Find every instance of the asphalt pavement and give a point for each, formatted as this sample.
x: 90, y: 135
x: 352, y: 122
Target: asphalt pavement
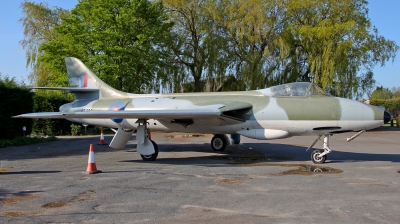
x: 253, y: 182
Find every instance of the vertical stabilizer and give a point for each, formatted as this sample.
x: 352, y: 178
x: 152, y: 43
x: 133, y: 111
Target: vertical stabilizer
x: 81, y: 77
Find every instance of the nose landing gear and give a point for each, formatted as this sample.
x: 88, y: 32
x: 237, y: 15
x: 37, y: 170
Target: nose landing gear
x: 318, y: 156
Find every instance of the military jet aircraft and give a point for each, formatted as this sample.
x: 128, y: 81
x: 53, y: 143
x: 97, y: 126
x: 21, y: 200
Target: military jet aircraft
x: 294, y: 109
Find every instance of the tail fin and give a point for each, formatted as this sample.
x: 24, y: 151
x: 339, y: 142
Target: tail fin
x: 87, y: 85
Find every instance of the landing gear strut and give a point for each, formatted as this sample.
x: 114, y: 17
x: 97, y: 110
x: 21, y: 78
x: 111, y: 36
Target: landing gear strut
x: 318, y: 156
x: 147, y: 148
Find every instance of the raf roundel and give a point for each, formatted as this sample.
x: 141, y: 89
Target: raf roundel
x: 116, y: 107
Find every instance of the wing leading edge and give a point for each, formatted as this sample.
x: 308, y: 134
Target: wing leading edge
x: 217, y: 114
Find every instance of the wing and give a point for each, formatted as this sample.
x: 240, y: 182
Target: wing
x: 225, y: 113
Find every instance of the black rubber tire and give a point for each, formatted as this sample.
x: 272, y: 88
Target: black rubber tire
x: 153, y: 156
x: 219, y: 142
x: 314, y: 156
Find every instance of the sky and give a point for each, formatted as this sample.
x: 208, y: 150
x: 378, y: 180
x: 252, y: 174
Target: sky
x: 383, y: 14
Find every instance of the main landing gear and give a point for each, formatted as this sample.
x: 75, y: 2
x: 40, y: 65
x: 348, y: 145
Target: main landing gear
x: 153, y: 156
x: 219, y: 142
x: 147, y: 148
x: 318, y: 156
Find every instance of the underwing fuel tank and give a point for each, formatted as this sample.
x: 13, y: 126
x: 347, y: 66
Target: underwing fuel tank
x: 264, y: 134
x: 121, y: 138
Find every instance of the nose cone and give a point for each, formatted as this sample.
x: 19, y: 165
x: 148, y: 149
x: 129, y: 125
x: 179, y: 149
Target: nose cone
x: 387, y: 117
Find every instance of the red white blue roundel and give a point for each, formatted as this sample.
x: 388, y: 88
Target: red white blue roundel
x: 116, y: 107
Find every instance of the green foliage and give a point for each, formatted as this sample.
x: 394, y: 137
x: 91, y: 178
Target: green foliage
x: 391, y: 105
x: 335, y: 41
x: 387, y: 98
x: 75, y: 129
x: 15, y: 99
x: 253, y: 31
x: 396, y: 92
x: 92, y: 131
x: 382, y: 93
x: 195, y: 43
x: 140, y: 46
x: 122, y: 41
x: 19, y: 141
x: 18, y: 99
x: 327, y: 42
x: 50, y: 101
x: 38, y: 22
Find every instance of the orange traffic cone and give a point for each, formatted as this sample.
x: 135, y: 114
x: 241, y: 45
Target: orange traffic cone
x: 91, y: 167
x: 102, y: 138
x: 148, y: 134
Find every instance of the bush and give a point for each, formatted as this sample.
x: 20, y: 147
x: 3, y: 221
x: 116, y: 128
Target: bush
x: 15, y: 99
x: 50, y: 101
x: 75, y: 129
x: 391, y: 105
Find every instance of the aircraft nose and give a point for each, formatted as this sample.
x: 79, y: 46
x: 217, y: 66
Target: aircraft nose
x: 387, y: 117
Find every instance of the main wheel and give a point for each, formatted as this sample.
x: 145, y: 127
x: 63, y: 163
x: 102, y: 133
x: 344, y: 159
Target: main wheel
x: 315, y: 156
x: 219, y: 142
x: 153, y: 156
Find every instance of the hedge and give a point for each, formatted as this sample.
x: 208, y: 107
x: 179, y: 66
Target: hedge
x: 14, y: 100
x: 18, y: 99
x: 50, y: 102
x: 391, y: 105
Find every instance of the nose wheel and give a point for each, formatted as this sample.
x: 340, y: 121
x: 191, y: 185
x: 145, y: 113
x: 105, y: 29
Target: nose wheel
x: 318, y: 156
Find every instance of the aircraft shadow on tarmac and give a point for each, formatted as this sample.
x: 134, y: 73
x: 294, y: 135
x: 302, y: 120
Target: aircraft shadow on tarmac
x: 4, y: 192
x: 31, y: 172
x: 167, y: 152
x: 63, y: 147
x: 273, y: 153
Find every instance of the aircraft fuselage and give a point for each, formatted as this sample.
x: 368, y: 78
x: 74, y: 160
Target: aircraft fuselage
x: 295, y: 115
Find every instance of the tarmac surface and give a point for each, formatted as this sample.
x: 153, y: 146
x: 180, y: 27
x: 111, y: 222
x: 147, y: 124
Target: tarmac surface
x: 253, y: 182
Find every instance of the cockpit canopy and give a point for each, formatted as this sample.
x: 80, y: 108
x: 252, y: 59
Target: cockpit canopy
x: 299, y: 89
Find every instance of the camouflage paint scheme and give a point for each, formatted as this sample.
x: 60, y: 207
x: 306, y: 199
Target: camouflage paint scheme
x: 276, y: 112
x: 298, y: 115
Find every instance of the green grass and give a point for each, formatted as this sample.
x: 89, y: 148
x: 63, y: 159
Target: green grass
x: 389, y: 124
x: 19, y: 141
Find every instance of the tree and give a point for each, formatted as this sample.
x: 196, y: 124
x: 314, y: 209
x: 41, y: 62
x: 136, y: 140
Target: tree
x: 195, y: 41
x: 382, y: 93
x: 122, y: 41
x: 38, y: 22
x: 396, y: 92
x: 328, y: 42
x: 253, y: 29
x: 335, y: 41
